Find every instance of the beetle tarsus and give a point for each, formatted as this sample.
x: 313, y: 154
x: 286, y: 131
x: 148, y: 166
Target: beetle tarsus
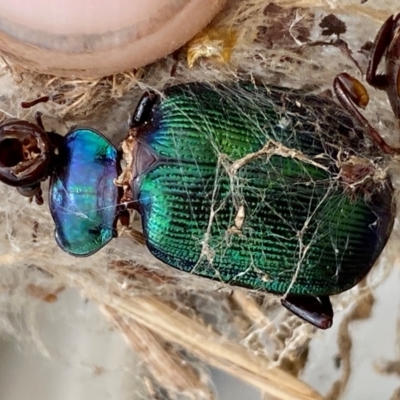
x: 387, y: 45
x: 315, y: 310
x: 384, y: 38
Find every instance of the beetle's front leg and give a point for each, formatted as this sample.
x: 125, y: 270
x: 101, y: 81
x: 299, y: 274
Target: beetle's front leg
x: 352, y: 95
x: 387, y: 42
x: 315, y: 310
x: 141, y: 115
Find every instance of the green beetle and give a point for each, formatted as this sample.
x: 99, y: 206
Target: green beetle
x: 257, y: 187
x: 262, y: 187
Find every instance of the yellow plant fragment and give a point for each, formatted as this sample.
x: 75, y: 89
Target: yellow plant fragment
x: 211, y: 43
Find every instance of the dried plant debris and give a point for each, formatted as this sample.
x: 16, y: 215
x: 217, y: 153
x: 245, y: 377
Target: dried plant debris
x: 284, y: 27
x: 390, y: 367
x: 211, y: 43
x: 43, y: 292
x: 332, y: 25
x: 395, y: 395
x: 360, y: 310
x: 167, y: 366
x: 80, y: 97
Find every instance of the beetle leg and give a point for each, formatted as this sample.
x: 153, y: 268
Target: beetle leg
x: 143, y: 109
x: 315, y: 310
x: 387, y: 43
x: 384, y: 39
x: 351, y: 94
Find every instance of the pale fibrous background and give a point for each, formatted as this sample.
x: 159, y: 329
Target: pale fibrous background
x: 176, y: 326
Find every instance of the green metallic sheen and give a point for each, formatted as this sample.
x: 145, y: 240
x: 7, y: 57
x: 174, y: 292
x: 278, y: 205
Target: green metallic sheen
x: 304, y: 230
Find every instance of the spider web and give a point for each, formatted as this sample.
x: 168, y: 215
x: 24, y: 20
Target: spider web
x: 248, y: 189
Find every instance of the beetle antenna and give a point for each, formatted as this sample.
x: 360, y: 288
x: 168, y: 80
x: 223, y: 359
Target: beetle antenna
x: 43, y: 99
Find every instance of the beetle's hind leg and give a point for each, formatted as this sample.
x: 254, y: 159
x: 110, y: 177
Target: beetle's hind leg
x: 387, y: 46
x: 386, y: 43
x: 315, y: 310
x: 352, y: 95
